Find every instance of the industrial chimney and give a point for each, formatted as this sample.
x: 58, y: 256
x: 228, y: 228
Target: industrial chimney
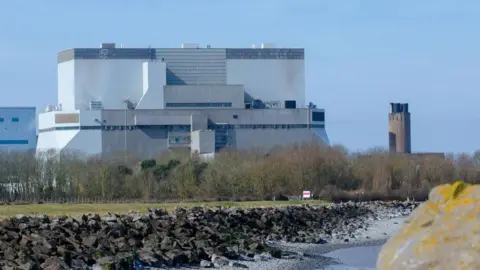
x: 399, y: 128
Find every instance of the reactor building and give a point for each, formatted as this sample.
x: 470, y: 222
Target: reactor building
x: 399, y: 128
x: 148, y: 100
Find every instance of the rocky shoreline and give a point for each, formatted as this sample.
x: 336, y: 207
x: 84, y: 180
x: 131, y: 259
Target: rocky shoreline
x: 206, y: 237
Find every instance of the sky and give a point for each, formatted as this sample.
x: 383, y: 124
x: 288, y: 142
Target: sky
x: 360, y: 55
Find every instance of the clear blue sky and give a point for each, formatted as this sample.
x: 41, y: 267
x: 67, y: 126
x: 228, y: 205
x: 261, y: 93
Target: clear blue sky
x: 360, y: 55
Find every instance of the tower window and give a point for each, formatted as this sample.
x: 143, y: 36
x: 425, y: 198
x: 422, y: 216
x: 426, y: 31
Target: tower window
x: 15, y: 120
x: 235, y: 116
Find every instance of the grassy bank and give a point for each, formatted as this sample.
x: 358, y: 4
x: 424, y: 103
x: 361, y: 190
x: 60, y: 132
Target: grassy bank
x: 331, y: 174
x: 79, y: 209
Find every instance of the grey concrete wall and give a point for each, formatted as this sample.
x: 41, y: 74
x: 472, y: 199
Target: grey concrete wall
x: 161, y: 119
x: 269, y: 138
x: 141, y: 142
x: 198, y: 122
x: 260, y: 116
x: 146, y: 143
x: 150, y: 132
x: 230, y: 116
x: 204, y: 94
x: 117, y: 117
x: 203, y: 141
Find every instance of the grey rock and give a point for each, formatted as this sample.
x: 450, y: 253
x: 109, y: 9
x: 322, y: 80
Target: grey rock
x: 182, y: 236
x: 105, y: 261
x: 219, y: 261
x: 166, y: 243
x: 237, y: 265
x: 90, y: 240
x: 206, y: 264
x: 109, y: 218
x: 148, y: 257
x: 176, y: 257
x: 54, y: 263
x: 262, y: 257
x: 245, y: 258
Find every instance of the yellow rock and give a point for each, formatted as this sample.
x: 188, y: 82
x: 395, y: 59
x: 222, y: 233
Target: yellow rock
x: 442, y: 234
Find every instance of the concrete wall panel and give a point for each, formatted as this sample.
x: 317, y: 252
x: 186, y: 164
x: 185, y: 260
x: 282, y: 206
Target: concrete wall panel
x: 88, y: 142
x: 66, y: 84
x: 269, y: 80
x: 268, y: 138
x: 143, y: 143
x: 154, y: 79
x: 109, y: 81
x: 204, y: 94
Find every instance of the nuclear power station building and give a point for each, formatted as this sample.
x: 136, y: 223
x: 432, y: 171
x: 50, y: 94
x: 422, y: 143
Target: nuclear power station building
x: 145, y: 100
x: 399, y: 128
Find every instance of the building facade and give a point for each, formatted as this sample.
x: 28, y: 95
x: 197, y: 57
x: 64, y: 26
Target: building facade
x: 18, y: 129
x: 399, y: 136
x: 145, y: 101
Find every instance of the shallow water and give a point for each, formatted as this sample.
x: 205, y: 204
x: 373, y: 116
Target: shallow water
x: 355, y: 258
x: 347, y: 267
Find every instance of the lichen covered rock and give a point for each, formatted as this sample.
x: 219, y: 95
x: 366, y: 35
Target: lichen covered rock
x: 442, y: 233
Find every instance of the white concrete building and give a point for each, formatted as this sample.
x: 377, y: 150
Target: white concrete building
x: 145, y: 100
x: 18, y: 129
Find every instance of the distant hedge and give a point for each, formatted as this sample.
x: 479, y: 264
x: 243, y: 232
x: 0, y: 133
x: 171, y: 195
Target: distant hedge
x: 330, y: 173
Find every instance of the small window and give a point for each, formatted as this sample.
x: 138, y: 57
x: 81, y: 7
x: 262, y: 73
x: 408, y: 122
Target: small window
x: 290, y: 104
x: 318, y: 116
x: 1, y: 119
x: 235, y: 116
x: 15, y: 120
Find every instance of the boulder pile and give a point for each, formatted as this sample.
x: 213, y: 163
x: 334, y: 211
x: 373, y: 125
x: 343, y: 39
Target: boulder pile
x: 201, y: 236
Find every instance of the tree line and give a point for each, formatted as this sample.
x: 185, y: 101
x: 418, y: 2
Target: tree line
x: 330, y: 173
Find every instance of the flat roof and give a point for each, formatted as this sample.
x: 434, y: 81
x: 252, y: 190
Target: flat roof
x: 18, y: 108
x: 172, y: 53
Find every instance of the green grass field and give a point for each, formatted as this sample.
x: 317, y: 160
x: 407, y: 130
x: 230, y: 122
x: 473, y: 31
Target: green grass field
x: 79, y: 209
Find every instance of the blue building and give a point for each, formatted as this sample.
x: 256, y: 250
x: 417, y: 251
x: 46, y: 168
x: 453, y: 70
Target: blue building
x: 18, y: 129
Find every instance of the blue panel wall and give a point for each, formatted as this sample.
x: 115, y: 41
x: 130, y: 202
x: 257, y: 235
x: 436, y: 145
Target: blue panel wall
x: 17, y: 128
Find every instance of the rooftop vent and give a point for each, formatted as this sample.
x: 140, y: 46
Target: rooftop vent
x: 107, y: 45
x: 190, y: 45
x: 95, y: 105
x: 268, y: 45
